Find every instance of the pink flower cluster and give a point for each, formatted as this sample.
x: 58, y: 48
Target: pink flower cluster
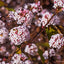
x: 45, y: 18
x: 2, y: 24
x: 49, y: 53
x: 3, y: 35
x: 36, y: 7
x: 54, y: 21
x: 31, y: 49
x: 19, y: 35
x: 58, y: 3
x: 25, y: 15
x: 21, y: 15
x: 16, y: 59
x: 2, y: 49
x: 56, y: 41
x: 23, y: 57
x: 45, y: 54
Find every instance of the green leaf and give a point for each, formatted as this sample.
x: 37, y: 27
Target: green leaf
x: 50, y: 31
x: 46, y: 44
x: 10, y: 9
x: 40, y: 53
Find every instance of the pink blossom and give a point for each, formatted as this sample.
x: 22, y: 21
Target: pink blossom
x: 19, y: 35
x: 56, y: 41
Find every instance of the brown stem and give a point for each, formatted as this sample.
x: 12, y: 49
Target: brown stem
x: 57, y: 29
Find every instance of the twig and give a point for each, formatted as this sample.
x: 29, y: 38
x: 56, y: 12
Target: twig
x: 57, y: 29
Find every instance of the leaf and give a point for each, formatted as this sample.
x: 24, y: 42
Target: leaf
x: 18, y: 51
x: 50, y: 31
x: 40, y: 53
x: 46, y: 44
x: 10, y: 9
x: 2, y: 3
